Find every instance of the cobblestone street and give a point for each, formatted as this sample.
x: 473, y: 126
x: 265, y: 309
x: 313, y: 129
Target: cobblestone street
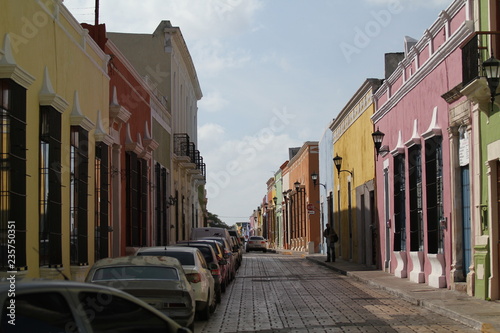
x: 280, y: 293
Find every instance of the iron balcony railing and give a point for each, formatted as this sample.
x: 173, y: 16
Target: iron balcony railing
x: 181, y: 144
x: 475, y: 50
x: 183, y: 147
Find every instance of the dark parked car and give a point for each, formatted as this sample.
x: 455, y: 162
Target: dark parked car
x: 68, y: 306
x: 228, y: 250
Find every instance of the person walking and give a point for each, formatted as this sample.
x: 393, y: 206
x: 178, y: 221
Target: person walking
x: 331, y: 238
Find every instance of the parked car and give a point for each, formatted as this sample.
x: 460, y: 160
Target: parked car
x: 44, y: 306
x: 229, y: 254
x: 159, y: 281
x: 197, y: 272
x: 237, y: 250
x: 221, y: 256
x: 256, y: 243
x: 213, y: 263
x: 197, y: 233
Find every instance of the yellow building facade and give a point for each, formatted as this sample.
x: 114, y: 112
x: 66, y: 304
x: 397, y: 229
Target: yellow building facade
x: 52, y: 72
x: 353, y: 179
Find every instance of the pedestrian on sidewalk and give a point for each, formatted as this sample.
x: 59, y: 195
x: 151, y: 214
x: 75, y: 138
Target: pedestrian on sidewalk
x: 331, y: 238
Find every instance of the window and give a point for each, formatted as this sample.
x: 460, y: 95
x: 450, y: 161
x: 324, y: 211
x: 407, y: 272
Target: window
x: 40, y: 312
x: 137, y: 200
x: 50, y: 187
x: 434, y: 186
x: 78, y: 195
x: 101, y: 201
x: 185, y: 258
x: 399, y: 203
x: 12, y: 170
x: 161, y: 205
x: 135, y: 273
x: 415, y: 189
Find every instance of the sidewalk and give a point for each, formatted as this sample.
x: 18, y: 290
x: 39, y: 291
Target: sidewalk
x: 479, y: 314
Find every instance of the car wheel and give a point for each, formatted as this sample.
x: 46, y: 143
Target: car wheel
x: 265, y: 250
x: 213, y: 306
x: 191, y: 327
x: 218, y: 296
x: 204, y: 314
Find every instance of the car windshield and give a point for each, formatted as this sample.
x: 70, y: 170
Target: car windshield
x: 186, y: 258
x: 135, y: 273
x: 207, y: 253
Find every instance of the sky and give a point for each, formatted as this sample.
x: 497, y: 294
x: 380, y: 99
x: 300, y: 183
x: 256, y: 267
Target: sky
x: 273, y: 73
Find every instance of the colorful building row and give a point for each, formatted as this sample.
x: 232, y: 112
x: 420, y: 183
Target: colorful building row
x: 409, y: 169
x: 97, y: 149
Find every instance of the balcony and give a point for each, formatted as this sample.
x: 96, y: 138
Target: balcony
x: 188, y: 156
x: 475, y: 50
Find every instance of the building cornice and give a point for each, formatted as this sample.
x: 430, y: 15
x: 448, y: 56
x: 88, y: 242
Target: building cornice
x: 436, y: 58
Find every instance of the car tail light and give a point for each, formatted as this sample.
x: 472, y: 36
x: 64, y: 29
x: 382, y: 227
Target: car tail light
x: 194, y: 277
x: 215, y: 271
x: 263, y: 242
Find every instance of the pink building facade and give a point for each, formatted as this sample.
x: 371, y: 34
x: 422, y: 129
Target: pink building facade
x: 413, y: 168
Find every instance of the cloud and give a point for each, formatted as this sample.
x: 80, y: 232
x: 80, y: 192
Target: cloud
x: 273, y: 58
x: 212, y: 102
x: 414, y: 4
x: 238, y: 170
x: 212, y: 56
x: 198, y: 19
x: 212, y: 133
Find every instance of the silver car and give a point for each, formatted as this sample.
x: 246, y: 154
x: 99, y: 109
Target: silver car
x: 256, y: 243
x: 159, y: 281
x: 44, y: 306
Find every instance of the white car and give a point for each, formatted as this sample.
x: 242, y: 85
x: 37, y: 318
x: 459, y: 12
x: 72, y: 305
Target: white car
x: 197, y: 272
x: 256, y: 243
x: 67, y: 306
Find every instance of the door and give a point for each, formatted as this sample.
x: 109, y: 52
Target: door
x: 498, y: 212
x: 466, y: 216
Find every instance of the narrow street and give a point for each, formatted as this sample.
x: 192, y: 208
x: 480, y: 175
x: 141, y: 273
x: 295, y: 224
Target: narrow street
x: 283, y: 293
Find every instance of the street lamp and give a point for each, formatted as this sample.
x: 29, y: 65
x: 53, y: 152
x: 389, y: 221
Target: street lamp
x: 378, y: 137
x: 337, y: 160
x: 297, y: 185
x: 314, y: 177
x: 491, y: 68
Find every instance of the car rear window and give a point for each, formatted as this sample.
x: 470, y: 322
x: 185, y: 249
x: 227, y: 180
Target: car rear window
x: 135, y: 273
x: 207, y: 253
x: 185, y: 258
